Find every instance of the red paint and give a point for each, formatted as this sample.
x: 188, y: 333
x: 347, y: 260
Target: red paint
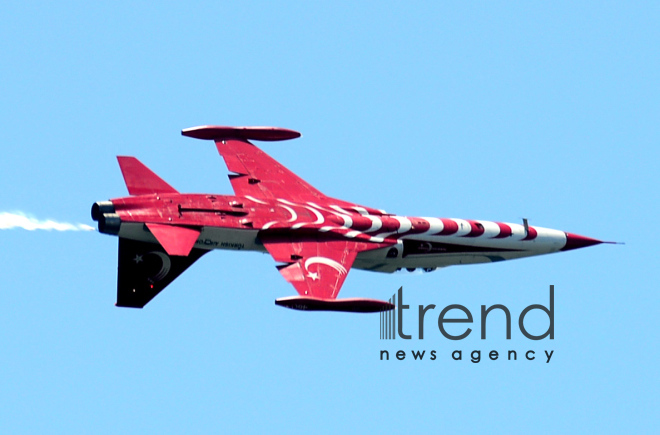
x: 419, y: 226
x: 531, y: 233
x: 449, y: 227
x: 390, y: 225
x: 175, y: 239
x: 476, y: 229
x: 575, y: 241
x: 505, y: 231
x: 140, y: 180
x: 361, y: 223
x: 274, y: 180
x: 314, y: 269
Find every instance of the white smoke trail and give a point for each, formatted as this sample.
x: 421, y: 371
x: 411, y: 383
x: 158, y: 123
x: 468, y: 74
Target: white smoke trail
x: 19, y: 219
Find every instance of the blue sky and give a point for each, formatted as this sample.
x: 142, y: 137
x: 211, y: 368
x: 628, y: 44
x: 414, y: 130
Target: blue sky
x: 492, y: 110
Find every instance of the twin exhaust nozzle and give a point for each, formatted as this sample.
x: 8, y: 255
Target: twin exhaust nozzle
x: 104, y: 213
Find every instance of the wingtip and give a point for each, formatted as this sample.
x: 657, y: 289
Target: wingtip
x: 350, y: 305
x: 217, y: 132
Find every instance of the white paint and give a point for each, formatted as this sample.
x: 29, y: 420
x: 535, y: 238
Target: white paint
x: 517, y: 232
x: 258, y: 201
x: 464, y: 227
x: 339, y: 209
x: 348, y: 221
x: 268, y: 225
x: 435, y: 225
x: 319, y: 216
x: 376, y: 224
x: 491, y: 229
x: 404, y: 224
x: 326, y: 261
x: 294, y: 215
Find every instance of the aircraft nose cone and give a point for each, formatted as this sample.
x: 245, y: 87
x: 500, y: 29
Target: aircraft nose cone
x: 575, y: 241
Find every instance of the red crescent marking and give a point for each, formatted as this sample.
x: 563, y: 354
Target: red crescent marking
x: 476, y: 229
x: 450, y: 227
x: 419, y: 225
x: 505, y: 231
x: 531, y: 234
x: 361, y: 223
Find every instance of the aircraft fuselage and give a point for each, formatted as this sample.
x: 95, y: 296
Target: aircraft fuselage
x: 234, y: 223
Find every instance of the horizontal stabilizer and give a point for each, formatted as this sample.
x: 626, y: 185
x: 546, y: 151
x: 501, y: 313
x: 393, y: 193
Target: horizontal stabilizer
x: 141, y: 180
x: 351, y: 305
x: 174, y: 239
x: 214, y: 132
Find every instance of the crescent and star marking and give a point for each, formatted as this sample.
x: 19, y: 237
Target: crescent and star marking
x: 165, y: 268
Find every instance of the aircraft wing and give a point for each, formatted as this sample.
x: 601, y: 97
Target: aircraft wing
x: 317, y: 269
x: 258, y: 175
x: 255, y: 173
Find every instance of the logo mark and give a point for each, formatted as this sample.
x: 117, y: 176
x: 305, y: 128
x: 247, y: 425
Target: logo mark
x: 388, y: 322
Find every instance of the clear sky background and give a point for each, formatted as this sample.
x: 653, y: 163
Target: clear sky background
x: 492, y: 110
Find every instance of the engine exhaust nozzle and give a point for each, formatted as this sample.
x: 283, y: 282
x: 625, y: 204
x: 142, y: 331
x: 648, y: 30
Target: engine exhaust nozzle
x: 100, y: 208
x: 109, y: 223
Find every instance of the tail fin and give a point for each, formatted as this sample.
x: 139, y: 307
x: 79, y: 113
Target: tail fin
x: 144, y: 269
x: 140, y: 180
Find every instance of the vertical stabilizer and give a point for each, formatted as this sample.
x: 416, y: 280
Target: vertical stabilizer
x: 141, y: 180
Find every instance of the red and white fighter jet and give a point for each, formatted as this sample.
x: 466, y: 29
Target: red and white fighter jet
x: 315, y: 239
